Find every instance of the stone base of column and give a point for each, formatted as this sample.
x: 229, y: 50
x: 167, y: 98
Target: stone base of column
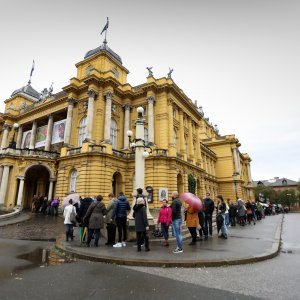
x: 131, y: 233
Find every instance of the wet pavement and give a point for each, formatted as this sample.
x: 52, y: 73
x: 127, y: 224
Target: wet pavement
x: 39, y: 227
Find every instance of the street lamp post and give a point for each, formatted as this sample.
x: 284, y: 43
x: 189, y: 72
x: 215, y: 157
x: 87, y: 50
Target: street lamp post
x: 138, y: 145
x: 234, y: 175
x: 13, y: 144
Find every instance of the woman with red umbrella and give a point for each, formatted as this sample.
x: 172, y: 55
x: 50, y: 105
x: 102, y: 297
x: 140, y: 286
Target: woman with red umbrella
x: 192, y: 222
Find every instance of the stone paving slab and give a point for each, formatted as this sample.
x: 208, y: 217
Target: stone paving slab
x: 244, y: 245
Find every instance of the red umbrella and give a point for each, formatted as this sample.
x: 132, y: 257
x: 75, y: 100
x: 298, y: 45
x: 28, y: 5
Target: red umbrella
x: 192, y: 200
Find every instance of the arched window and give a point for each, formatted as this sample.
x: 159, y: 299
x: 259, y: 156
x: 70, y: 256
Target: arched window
x: 81, y: 131
x: 113, y: 133
x: 146, y: 135
x: 73, y: 179
x: 175, y: 138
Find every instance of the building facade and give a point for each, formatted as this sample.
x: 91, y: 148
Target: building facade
x: 76, y: 140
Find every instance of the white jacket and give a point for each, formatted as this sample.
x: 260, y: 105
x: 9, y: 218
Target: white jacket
x: 67, y: 213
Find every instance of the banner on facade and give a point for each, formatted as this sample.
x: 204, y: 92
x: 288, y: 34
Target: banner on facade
x: 41, y: 135
x: 26, y: 139
x: 58, y: 133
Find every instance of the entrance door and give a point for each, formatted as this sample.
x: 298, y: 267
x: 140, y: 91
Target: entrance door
x: 117, y: 184
x: 36, y: 183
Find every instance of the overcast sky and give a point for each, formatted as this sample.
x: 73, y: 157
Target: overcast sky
x: 239, y: 59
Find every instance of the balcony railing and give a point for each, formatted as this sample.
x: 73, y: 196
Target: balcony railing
x: 160, y: 152
x: 73, y: 151
x: 97, y: 148
x: 29, y: 152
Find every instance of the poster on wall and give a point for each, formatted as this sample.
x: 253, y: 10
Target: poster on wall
x: 41, y: 135
x: 26, y: 139
x: 163, y: 194
x: 58, y: 133
x: 149, y: 190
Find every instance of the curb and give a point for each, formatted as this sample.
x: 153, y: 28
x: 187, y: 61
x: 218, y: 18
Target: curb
x: 176, y: 263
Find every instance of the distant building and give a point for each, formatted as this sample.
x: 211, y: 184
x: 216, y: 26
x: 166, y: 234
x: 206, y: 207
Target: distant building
x: 278, y: 184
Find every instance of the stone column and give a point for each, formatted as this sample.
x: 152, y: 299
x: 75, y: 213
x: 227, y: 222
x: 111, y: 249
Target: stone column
x: 198, y: 148
x: 150, y: 100
x: 249, y: 173
x: 33, y: 135
x: 236, y: 166
x: 190, y: 140
x: 4, y: 184
x: 19, y: 137
x: 49, y: 133
x: 5, y: 136
x: 90, y: 115
x: 1, y: 173
x: 20, y: 192
x: 127, y: 108
x: 181, y: 132
x: 69, y: 121
x: 108, y: 98
x: 50, y: 192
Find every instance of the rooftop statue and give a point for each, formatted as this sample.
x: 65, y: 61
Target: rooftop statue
x: 150, y: 71
x: 170, y: 73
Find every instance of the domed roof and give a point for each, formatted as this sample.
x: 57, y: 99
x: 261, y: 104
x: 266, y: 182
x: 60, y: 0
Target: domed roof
x: 103, y: 48
x: 27, y: 90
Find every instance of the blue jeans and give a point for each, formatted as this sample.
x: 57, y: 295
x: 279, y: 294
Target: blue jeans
x: 224, y: 227
x: 165, y: 230
x: 176, y: 224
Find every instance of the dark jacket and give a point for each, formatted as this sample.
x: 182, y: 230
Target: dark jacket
x: 176, y: 209
x: 140, y: 216
x: 96, y: 211
x: 209, y: 206
x: 84, y: 206
x: 121, y: 208
x: 222, y: 208
x: 232, y: 210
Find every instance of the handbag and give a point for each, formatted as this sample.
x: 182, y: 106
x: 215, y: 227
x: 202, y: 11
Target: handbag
x: 73, y: 216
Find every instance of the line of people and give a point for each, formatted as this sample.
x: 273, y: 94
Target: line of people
x: 41, y: 204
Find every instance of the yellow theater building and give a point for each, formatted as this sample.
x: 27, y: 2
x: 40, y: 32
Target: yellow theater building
x: 76, y: 140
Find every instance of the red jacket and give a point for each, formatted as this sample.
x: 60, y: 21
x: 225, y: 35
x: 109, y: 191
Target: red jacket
x: 165, y: 215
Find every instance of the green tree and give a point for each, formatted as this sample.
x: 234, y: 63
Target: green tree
x: 288, y: 197
x: 192, y: 184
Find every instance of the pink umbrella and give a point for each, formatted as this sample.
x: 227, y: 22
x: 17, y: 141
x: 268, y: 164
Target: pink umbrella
x: 75, y: 197
x: 192, y: 200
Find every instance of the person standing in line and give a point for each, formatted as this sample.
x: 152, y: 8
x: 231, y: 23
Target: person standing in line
x: 120, y: 213
x: 110, y: 223
x: 177, y: 221
x: 192, y: 222
x: 202, y: 229
x: 69, y: 215
x: 209, y: 207
x: 165, y: 219
x: 232, y: 212
x: 222, y: 211
x: 96, y: 211
x: 141, y: 224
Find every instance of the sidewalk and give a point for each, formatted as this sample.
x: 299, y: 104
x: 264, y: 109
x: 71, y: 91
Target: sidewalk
x: 244, y: 245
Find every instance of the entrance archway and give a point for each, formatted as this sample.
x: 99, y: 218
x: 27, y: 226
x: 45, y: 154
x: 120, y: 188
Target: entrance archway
x: 179, y: 184
x: 117, y: 183
x: 36, y: 183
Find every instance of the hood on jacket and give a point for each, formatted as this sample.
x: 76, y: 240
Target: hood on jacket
x: 122, y: 198
x: 138, y: 207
